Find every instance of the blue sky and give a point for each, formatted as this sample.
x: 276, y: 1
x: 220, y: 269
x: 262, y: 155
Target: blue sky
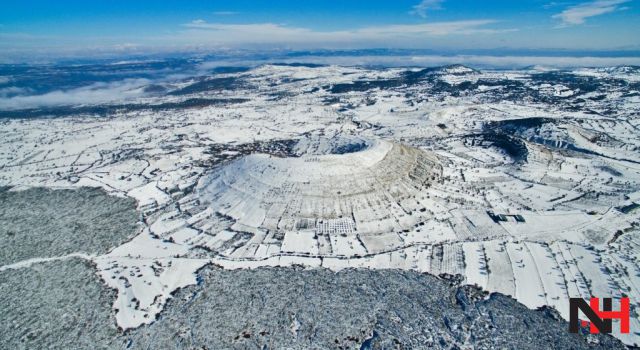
x: 138, y: 25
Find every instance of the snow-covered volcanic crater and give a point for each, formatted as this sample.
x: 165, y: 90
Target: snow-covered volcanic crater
x: 337, y: 190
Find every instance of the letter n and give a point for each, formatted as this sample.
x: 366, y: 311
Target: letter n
x: 597, y: 324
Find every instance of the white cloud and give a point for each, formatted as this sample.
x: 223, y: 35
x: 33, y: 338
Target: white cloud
x: 425, y: 6
x: 256, y: 32
x: 92, y: 94
x: 578, y: 14
x: 271, y: 33
x: 554, y: 4
x: 467, y: 27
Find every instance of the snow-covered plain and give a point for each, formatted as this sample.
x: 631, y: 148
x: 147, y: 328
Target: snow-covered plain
x: 524, y: 183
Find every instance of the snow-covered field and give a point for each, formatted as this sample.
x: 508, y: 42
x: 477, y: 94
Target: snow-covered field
x: 525, y: 183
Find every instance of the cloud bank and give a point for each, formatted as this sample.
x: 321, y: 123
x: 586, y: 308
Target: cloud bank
x: 272, y: 33
x: 475, y: 61
x: 92, y: 94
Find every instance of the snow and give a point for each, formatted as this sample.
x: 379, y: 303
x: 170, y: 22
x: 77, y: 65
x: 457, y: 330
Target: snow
x: 144, y: 286
x: 476, y: 271
x: 416, y: 197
